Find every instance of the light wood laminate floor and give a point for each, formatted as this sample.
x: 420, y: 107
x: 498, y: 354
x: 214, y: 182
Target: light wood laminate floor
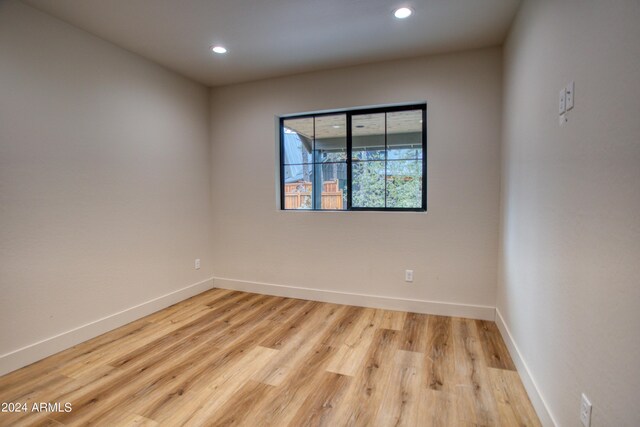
x: 234, y: 358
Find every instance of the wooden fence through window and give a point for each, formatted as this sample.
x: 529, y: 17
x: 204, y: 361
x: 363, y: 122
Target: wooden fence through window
x: 297, y: 195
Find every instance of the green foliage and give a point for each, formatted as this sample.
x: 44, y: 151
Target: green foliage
x: 368, y: 184
x: 403, y: 184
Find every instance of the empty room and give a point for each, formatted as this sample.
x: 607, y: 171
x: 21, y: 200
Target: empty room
x: 320, y: 213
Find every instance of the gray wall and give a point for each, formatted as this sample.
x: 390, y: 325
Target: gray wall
x: 570, y: 272
x: 104, y: 183
x: 452, y: 248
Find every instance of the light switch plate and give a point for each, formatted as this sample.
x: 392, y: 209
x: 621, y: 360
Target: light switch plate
x: 562, y: 98
x: 570, y: 89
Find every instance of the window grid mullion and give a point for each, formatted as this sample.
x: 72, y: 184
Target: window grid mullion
x: 315, y: 177
x: 386, y: 153
x: 349, y: 163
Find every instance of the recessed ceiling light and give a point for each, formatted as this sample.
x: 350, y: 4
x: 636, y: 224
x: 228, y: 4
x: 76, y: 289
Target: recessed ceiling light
x: 336, y: 126
x: 219, y: 49
x: 402, y: 13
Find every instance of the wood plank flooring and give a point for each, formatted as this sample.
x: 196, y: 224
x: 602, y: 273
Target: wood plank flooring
x: 227, y: 358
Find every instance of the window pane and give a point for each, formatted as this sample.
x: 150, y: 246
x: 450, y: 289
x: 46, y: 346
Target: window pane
x: 404, y: 184
x: 404, y: 135
x: 331, y: 138
x: 333, y: 177
x: 298, y: 187
x: 368, y: 184
x: 367, y: 131
x: 298, y: 140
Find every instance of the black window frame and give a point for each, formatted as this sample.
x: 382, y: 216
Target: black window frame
x: 349, y: 113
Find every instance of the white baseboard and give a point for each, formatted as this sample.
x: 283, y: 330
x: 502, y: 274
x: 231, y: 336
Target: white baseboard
x: 533, y: 391
x: 26, y: 355
x: 361, y: 300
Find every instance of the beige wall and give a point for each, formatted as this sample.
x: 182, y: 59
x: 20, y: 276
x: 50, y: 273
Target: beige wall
x: 569, y: 287
x: 452, y: 248
x: 104, y: 182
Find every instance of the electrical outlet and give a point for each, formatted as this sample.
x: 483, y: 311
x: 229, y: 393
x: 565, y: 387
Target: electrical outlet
x: 197, y: 264
x: 585, y: 411
x: 408, y: 275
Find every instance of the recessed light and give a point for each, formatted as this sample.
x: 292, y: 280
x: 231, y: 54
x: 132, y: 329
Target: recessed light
x: 337, y: 126
x: 219, y: 49
x: 402, y: 13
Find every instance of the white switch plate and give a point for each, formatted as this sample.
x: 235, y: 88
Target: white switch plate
x: 197, y: 264
x: 408, y: 275
x: 570, y: 89
x: 561, y: 101
x: 585, y: 411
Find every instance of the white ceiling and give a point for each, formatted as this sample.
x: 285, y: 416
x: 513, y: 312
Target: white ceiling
x: 268, y: 38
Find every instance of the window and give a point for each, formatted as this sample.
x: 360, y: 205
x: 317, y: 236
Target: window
x: 365, y: 159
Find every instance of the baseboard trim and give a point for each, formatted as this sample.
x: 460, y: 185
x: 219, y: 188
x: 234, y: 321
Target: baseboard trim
x: 32, y: 353
x: 361, y: 300
x: 533, y: 391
